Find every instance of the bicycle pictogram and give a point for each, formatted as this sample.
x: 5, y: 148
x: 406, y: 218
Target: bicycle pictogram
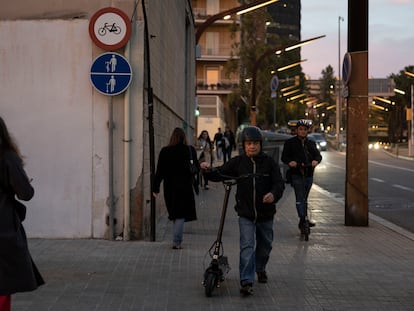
x: 110, y: 28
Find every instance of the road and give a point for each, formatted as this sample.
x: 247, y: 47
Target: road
x: 390, y: 184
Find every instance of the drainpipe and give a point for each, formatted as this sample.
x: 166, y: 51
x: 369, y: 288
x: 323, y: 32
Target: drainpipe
x: 111, y: 196
x: 127, y: 157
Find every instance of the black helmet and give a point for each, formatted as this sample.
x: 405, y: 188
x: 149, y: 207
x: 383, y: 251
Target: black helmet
x: 303, y: 122
x: 251, y: 133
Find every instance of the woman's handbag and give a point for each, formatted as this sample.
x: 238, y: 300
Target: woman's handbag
x: 194, y: 170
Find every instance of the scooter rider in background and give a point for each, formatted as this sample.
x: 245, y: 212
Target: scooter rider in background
x: 302, y: 156
x: 256, y: 198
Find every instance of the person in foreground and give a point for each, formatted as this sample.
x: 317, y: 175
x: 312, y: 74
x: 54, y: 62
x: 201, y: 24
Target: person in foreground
x: 302, y: 156
x: 18, y: 273
x: 174, y: 169
x: 256, y: 198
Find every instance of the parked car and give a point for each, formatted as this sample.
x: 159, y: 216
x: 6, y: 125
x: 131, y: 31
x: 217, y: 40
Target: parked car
x: 320, y: 141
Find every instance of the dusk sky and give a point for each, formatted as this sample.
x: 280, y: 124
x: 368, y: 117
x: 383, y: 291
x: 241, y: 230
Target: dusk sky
x: 390, y: 36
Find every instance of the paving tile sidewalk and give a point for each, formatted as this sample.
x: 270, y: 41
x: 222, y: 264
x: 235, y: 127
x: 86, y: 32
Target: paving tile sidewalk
x: 339, y: 268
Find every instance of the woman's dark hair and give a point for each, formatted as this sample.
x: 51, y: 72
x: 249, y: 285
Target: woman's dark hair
x: 208, y: 140
x: 178, y: 137
x: 6, y: 141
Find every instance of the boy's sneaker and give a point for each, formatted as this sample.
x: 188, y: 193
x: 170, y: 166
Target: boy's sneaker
x: 247, y: 290
x: 262, y: 277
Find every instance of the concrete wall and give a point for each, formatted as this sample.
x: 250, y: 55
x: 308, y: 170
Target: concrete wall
x: 61, y: 122
x: 47, y: 102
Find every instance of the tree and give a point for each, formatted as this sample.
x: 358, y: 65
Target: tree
x: 397, y: 121
x: 253, y: 45
x: 323, y: 113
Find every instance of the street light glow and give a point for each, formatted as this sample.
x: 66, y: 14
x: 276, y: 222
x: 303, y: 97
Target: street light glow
x: 291, y: 65
x: 291, y: 92
x: 399, y: 91
x: 288, y: 88
x: 387, y: 101
x: 256, y: 7
x: 302, y: 43
x: 410, y: 74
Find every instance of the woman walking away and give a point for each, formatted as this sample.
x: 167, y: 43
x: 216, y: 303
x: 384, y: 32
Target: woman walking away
x: 18, y: 273
x: 174, y: 169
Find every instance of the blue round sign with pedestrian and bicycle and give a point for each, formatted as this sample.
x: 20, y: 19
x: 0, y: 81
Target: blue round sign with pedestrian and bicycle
x: 111, y: 74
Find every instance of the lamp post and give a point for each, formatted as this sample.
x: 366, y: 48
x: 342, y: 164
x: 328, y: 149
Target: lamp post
x: 338, y: 103
x: 257, y: 63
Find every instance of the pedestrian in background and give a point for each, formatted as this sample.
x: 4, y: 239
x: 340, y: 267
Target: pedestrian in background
x: 229, y: 143
x: 206, y: 146
x: 173, y: 168
x: 18, y: 273
x: 302, y: 156
x: 218, y: 140
x: 256, y: 198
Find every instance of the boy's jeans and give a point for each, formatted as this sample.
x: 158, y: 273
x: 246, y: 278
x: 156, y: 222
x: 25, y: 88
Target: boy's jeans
x: 255, y: 247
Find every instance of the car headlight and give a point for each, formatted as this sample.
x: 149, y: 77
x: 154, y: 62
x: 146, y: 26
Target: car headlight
x: 323, y: 143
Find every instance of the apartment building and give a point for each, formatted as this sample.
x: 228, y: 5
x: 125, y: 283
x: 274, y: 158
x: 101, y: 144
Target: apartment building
x: 215, y: 49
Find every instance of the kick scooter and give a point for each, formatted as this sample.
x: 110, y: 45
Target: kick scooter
x: 219, y: 266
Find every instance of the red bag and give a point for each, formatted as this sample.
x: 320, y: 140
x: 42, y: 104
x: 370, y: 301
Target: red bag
x: 5, y: 303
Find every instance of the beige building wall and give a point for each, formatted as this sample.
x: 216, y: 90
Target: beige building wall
x: 61, y: 122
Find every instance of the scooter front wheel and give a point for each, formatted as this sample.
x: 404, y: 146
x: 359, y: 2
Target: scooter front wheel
x: 210, y: 283
x: 306, y: 231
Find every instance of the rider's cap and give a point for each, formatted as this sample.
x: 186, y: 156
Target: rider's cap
x: 251, y: 133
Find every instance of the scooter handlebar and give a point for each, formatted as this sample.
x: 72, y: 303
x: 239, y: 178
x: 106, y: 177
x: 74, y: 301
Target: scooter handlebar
x: 232, y: 180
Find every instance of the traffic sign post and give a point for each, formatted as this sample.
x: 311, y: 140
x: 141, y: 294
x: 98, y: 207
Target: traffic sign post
x: 274, y: 83
x: 111, y: 74
x: 110, y: 28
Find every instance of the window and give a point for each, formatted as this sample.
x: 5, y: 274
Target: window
x: 212, y: 75
x: 212, y: 43
x: 213, y: 7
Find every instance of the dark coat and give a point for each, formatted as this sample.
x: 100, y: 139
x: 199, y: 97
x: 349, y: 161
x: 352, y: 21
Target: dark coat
x: 250, y: 191
x: 173, y: 169
x: 294, y: 150
x: 18, y: 272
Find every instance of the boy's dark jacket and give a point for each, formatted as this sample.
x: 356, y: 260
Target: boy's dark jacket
x: 268, y: 179
x: 294, y: 150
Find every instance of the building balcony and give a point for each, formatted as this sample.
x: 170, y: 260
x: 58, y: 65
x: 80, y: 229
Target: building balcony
x: 224, y: 87
x: 200, y: 16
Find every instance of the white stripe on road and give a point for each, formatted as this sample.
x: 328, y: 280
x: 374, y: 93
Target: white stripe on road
x: 377, y: 179
x: 403, y: 187
x: 392, y: 166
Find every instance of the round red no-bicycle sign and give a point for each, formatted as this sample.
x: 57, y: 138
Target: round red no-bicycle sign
x: 110, y: 28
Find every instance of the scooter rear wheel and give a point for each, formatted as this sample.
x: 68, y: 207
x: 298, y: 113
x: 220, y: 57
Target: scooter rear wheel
x: 210, y: 283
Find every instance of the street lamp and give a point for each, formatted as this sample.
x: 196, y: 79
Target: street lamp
x: 256, y: 65
x: 226, y: 14
x: 338, y: 103
x: 411, y: 140
x: 245, y: 8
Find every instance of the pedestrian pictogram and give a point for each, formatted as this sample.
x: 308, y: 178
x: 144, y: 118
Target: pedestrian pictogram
x: 111, y: 74
x: 110, y: 28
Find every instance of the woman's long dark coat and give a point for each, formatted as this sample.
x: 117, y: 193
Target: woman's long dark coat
x: 18, y: 273
x: 173, y: 169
